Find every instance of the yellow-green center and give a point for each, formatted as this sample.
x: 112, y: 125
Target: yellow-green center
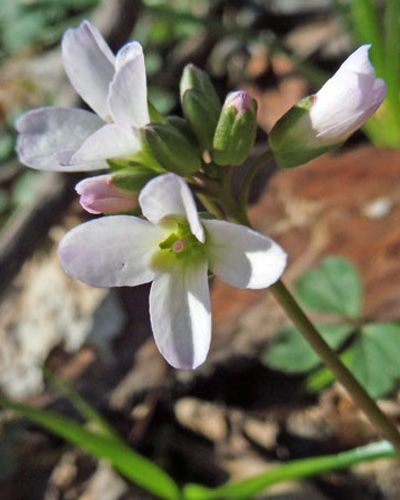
x: 180, y: 245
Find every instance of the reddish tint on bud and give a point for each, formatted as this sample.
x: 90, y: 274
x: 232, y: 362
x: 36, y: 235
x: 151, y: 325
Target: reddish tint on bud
x: 99, y: 195
x: 236, y: 129
x: 240, y: 100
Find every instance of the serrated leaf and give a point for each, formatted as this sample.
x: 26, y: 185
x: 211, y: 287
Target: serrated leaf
x: 376, y: 355
x: 291, y: 353
x: 334, y: 287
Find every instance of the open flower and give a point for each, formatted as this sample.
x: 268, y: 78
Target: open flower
x: 323, y: 121
x: 66, y: 139
x: 174, y: 249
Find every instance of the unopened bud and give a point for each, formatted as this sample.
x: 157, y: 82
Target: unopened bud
x: 200, y: 104
x: 236, y: 129
x: 99, y: 195
x: 171, y: 149
x: 182, y: 126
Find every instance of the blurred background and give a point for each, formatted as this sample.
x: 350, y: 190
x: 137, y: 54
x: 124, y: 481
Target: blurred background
x: 236, y: 415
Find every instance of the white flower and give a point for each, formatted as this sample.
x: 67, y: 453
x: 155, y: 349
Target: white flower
x: 323, y: 121
x: 66, y: 139
x: 347, y: 99
x: 174, y: 249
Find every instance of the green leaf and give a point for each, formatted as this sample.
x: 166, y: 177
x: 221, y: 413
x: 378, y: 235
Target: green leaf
x: 247, y: 488
x: 291, y: 353
x: 334, y: 287
x: 373, y: 359
x: 130, y: 464
x: 24, y: 190
x: 323, y: 377
x: 366, y: 22
x: 376, y: 355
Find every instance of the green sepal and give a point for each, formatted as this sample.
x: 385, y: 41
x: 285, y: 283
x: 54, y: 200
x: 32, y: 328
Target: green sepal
x: 142, y: 158
x: 182, y: 126
x: 203, y: 119
x: 291, y: 138
x: 235, y: 135
x: 171, y: 149
x: 155, y: 115
x: 133, y: 179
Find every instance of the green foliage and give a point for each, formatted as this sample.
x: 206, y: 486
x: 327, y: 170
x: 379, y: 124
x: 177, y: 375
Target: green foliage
x: 335, y: 287
x: 130, y: 464
x: 376, y: 355
x: 103, y: 442
x: 291, y: 353
x: 25, y: 189
x: 378, y: 23
x: 247, y: 488
x: 25, y: 23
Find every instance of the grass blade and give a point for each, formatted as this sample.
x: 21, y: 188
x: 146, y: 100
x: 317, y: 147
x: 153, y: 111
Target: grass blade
x: 242, y: 490
x: 130, y: 464
x: 86, y: 410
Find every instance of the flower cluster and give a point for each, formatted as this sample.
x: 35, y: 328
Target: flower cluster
x: 148, y: 156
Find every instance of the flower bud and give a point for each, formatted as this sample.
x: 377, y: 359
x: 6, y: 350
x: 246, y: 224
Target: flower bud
x: 325, y: 120
x: 200, y: 104
x: 99, y: 195
x: 183, y: 127
x: 236, y: 129
x: 171, y: 149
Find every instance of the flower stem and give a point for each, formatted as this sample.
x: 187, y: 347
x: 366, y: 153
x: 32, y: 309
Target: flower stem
x: 333, y: 362
x: 360, y: 396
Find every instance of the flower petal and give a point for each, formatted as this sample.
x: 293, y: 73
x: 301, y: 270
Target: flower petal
x: 48, y: 135
x: 180, y: 315
x: 111, y: 251
x: 347, y: 99
x: 128, y: 52
x: 359, y: 62
x: 168, y: 195
x: 110, y: 141
x: 127, y: 99
x: 242, y: 257
x: 89, y: 64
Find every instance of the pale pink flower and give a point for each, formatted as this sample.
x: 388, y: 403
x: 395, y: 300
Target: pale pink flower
x: 67, y: 139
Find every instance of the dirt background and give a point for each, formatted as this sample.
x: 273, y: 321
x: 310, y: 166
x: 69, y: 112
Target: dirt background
x: 233, y: 417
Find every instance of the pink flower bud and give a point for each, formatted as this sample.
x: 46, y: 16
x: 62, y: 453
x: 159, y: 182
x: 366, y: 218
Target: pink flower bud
x: 99, y: 195
x: 240, y: 100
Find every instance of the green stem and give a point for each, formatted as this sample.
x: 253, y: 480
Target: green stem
x: 210, y: 206
x: 326, y: 354
x: 333, y: 362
